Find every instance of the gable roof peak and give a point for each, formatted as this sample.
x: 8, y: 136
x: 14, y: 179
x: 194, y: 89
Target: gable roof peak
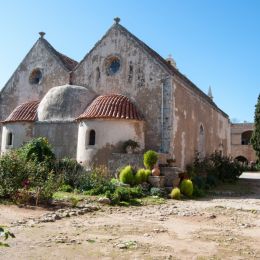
x: 68, y: 63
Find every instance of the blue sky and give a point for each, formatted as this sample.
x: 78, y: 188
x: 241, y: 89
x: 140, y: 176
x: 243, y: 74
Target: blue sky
x: 214, y: 42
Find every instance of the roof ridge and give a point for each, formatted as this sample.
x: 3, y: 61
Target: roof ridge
x: 169, y: 67
x: 66, y: 61
x: 25, y: 112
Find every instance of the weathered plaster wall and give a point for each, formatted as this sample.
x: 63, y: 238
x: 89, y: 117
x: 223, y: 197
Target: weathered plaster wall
x: 18, y: 89
x: 110, y: 135
x: 190, y: 112
x: 237, y: 149
x: 22, y: 133
x: 140, y: 78
x: 61, y: 135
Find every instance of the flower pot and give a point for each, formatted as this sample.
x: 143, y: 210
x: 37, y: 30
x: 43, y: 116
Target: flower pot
x: 156, y: 171
x: 156, y: 181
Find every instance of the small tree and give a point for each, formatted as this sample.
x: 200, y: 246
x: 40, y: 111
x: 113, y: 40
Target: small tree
x: 255, y: 140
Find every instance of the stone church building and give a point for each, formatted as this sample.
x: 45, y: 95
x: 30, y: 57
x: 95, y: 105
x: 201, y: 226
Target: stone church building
x: 121, y: 90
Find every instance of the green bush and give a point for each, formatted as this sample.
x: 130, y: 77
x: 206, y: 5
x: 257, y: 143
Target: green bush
x: 66, y: 188
x: 46, y: 189
x: 198, y: 192
x: 13, y: 174
x: 159, y: 192
x: 125, y: 194
x: 147, y: 174
x: 127, y: 175
x: 71, y: 172
x: 27, y: 175
x: 38, y: 150
x: 212, y: 170
x: 150, y: 159
x: 140, y: 176
x: 175, y: 194
x: 186, y: 188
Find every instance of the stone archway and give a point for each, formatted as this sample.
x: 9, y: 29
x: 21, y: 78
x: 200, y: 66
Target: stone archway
x: 245, y: 137
x: 241, y: 159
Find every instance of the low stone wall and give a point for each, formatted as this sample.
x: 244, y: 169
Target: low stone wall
x: 119, y: 160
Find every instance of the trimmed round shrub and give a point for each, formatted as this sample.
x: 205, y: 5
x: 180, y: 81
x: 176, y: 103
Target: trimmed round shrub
x: 175, y: 194
x: 147, y: 174
x: 127, y: 175
x: 140, y: 176
x: 150, y: 159
x: 186, y: 187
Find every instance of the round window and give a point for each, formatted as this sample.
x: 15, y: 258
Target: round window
x: 35, y: 77
x: 113, y: 66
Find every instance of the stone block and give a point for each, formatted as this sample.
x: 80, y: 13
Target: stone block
x: 171, y: 176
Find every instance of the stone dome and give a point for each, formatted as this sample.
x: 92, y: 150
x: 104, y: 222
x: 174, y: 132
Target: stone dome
x: 64, y: 103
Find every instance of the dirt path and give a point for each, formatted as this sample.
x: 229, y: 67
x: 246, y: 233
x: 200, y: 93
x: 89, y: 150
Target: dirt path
x: 218, y: 227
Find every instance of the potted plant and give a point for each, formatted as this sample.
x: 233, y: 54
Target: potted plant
x: 150, y: 162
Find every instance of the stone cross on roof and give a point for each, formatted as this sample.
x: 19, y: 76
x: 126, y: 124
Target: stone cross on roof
x: 117, y: 20
x: 42, y: 34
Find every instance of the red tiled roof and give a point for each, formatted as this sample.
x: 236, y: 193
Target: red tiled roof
x: 111, y: 106
x: 67, y: 61
x: 26, y: 112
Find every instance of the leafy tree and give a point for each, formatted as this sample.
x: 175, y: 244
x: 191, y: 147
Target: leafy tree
x: 255, y: 140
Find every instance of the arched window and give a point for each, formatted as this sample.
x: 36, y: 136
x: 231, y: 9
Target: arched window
x: 245, y: 137
x: 9, y: 139
x: 92, y: 137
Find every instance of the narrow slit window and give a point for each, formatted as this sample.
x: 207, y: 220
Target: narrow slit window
x: 97, y: 74
x: 10, y: 139
x: 92, y: 137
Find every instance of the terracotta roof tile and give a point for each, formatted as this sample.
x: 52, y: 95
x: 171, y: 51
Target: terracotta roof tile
x: 111, y: 106
x: 26, y: 112
x: 68, y: 62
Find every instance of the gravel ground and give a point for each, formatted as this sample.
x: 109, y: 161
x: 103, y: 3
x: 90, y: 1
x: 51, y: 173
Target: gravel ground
x: 224, y: 225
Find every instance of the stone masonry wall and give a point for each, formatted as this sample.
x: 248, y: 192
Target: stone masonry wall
x: 140, y: 78
x: 18, y: 89
x: 62, y: 136
x: 237, y: 149
x: 119, y: 160
x: 191, y: 112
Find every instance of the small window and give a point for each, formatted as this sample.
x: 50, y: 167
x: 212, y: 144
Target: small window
x: 35, y: 77
x: 92, y: 137
x: 201, y: 130
x: 97, y: 74
x: 113, y: 66
x: 9, y: 140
